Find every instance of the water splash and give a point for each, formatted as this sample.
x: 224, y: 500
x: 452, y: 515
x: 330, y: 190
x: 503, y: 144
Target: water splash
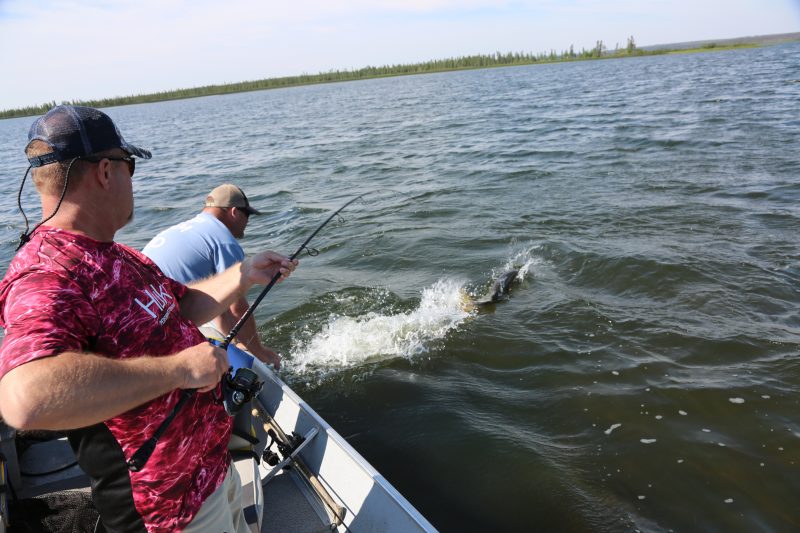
x: 346, y: 342
x: 350, y: 341
x: 522, y: 261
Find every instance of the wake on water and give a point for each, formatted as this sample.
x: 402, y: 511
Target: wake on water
x: 347, y: 342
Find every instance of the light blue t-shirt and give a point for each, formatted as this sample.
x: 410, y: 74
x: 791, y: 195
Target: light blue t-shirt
x: 195, y: 249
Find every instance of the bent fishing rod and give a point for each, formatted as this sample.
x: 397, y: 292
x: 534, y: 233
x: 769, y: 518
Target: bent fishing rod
x: 235, y: 330
x: 140, y: 457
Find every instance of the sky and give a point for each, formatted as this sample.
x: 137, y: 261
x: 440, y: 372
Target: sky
x: 57, y: 50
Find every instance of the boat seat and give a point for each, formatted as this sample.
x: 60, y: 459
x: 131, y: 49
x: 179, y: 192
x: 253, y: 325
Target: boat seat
x: 252, y: 494
x: 49, y: 466
x: 55, y: 494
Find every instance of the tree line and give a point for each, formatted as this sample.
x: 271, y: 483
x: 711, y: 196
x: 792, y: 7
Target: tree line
x: 498, y: 59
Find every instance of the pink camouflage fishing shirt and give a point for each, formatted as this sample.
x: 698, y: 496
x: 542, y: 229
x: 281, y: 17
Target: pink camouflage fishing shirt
x: 67, y: 292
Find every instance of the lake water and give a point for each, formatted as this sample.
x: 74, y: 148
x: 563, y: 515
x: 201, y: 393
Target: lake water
x: 643, y: 375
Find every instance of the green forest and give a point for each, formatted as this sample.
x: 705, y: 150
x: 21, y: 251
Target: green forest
x: 497, y: 59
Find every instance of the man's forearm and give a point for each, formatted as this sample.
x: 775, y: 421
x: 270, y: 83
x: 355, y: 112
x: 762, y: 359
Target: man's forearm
x: 248, y: 334
x: 74, y: 390
x: 248, y: 337
x: 210, y: 297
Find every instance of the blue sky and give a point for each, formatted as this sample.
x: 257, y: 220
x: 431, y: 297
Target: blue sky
x: 69, y: 49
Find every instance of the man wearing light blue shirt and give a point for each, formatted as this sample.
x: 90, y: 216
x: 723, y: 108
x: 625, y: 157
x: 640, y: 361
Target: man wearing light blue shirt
x: 205, y: 245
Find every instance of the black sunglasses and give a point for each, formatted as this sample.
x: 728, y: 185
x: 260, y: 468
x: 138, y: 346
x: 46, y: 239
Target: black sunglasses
x: 129, y: 160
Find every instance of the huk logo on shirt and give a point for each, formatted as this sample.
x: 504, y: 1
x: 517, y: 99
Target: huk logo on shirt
x: 159, y: 302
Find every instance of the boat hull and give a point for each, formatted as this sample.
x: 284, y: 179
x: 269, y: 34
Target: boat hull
x: 351, y: 491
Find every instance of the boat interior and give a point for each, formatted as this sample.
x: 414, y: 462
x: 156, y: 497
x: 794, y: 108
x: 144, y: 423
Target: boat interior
x: 297, y: 475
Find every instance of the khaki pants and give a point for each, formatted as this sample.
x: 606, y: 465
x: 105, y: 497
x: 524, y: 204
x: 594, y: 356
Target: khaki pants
x: 222, y: 511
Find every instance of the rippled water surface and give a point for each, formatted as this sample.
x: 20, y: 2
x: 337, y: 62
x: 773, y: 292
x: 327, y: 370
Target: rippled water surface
x: 644, y: 372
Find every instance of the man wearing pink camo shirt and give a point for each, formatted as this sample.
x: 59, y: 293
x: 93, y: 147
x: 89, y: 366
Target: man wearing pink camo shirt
x: 99, y: 342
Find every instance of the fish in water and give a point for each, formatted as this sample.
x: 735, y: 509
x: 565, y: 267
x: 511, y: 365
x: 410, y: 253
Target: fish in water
x: 499, y: 291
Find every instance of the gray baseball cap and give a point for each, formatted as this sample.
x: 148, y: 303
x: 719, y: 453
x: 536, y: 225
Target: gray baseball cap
x: 77, y: 131
x: 229, y: 195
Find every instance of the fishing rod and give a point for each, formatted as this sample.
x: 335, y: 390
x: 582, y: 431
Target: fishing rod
x: 240, y: 388
x: 235, y: 330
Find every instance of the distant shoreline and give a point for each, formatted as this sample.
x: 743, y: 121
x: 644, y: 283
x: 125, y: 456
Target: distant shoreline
x: 429, y: 67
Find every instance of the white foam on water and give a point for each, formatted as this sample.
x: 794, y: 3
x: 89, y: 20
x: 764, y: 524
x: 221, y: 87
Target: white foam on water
x: 612, y: 428
x: 736, y: 400
x: 527, y: 263
x: 647, y: 441
x: 349, y: 341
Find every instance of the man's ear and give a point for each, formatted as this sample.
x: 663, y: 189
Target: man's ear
x: 102, y: 173
x: 235, y: 212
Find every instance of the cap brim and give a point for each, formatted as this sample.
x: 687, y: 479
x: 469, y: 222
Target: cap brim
x: 136, y: 151
x: 252, y: 211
